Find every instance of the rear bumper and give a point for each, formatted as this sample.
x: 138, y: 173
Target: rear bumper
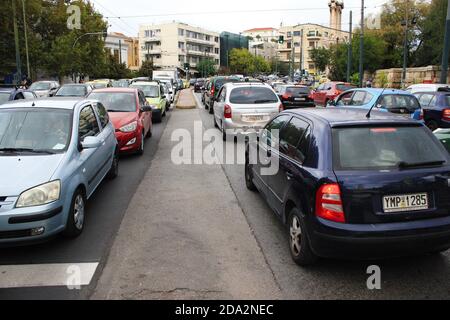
x: 334, y: 240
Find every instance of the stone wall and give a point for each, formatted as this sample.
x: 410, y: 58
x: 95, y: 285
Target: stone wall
x: 393, y: 77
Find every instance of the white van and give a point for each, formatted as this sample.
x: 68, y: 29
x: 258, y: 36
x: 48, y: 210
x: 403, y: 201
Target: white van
x: 426, y: 87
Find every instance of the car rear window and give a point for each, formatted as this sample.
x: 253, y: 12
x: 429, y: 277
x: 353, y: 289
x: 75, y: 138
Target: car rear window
x: 297, y: 90
x: 344, y: 87
x: 4, y: 97
x: 116, y: 101
x: 447, y: 100
x: 220, y: 82
x: 253, y: 95
x: 378, y: 148
x: 396, y: 101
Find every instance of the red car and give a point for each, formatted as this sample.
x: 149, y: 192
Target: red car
x: 130, y: 114
x: 329, y: 91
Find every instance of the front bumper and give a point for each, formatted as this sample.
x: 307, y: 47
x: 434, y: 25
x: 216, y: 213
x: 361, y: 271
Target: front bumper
x: 128, y: 141
x: 33, y: 224
x: 335, y: 240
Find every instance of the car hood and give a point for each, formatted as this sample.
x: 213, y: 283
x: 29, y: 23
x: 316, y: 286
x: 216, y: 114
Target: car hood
x: 20, y: 173
x: 119, y: 119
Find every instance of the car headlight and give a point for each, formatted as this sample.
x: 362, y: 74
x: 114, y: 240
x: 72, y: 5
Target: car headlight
x: 129, y: 127
x: 40, y: 195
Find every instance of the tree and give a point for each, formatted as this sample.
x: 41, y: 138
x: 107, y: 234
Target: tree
x: 146, y: 69
x: 321, y: 58
x: 242, y: 61
x: 206, y: 67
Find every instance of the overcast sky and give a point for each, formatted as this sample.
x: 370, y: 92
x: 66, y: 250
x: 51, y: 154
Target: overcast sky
x: 228, y: 15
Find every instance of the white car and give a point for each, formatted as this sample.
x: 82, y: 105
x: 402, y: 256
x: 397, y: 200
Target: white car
x: 245, y: 107
x: 427, y: 87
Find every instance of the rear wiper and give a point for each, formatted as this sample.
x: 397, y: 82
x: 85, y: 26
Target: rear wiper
x: 13, y: 150
x: 264, y: 101
x: 403, y: 164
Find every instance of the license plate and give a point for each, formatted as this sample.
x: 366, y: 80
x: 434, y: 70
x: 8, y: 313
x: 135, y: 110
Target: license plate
x: 408, y: 202
x: 300, y: 99
x: 253, y: 118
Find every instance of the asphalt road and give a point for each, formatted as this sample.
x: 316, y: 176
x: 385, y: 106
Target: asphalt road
x: 105, y: 211
x: 423, y: 277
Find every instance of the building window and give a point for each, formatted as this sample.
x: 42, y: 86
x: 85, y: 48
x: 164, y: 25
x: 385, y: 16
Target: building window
x: 181, y: 58
x: 181, y: 45
x: 181, y: 32
x: 312, y: 67
x: 207, y: 38
x: 297, y: 44
x: 297, y: 34
x: 312, y: 44
x: 147, y: 33
x: 216, y: 50
x: 289, y: 45
x: 216, y: 39
x: 289, y: 34
x: 217, y: 61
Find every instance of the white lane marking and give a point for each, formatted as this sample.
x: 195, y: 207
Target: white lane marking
x: 46, y: 275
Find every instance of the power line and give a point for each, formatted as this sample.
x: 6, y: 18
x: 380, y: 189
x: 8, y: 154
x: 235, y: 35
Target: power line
x: 128, y: 26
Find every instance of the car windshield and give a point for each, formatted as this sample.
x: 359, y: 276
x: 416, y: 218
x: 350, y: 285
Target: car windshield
x: 115, y: 101
x: 150, y: 91
x: 35, y: 130
x: 4, y: 97
x: 297, y: 90
x: 447, y: 100
x: 71, y: 91
x: 220, y: 82
x: 40, y: 86
x: 344, y: 87
x: 378, y: 148
x: 99, y: 85
x: 253, y: 95
x: 394, y: 101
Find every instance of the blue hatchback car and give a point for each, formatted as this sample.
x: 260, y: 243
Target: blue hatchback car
x: 386, y: 100
x: 54, y: 153
x: 352, y: 187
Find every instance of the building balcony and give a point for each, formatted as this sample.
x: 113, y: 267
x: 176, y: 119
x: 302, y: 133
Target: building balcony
x: 200, y: 41
x: 284, y: 49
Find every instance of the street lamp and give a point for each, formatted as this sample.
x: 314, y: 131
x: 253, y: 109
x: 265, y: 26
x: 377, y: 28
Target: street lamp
x: 104, y: 33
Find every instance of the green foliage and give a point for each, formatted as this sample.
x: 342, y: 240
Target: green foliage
x: 146, y: 69
x: 381, y: 79
x: 321, y: 58
x: 206, y: 68
x: 354, y: 79
x: 242, y: 61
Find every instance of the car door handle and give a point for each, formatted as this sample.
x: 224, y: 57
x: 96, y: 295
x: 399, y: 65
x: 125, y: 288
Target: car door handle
x: 289, y: 175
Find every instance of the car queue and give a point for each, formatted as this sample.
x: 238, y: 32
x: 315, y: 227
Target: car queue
x: 58, y: 149
x: 353, y: 181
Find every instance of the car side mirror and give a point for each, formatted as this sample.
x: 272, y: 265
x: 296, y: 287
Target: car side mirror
x: 91, y: 143
x: 146, y: 108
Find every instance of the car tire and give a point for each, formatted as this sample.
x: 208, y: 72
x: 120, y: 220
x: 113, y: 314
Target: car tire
x: 432, y: 125
x: 157, y: 119
x: 142, y: 146
x: 76, y: 218
x: 299, y: 244
x: 211, y: 109
x: 114, y: 171
x: 249, y: 177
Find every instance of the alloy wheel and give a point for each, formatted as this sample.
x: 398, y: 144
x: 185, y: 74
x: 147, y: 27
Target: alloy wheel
x: 78, y: 212
x: 296, y: 235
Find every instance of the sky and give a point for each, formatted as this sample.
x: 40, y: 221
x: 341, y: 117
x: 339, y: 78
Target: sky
x: 228, y: 15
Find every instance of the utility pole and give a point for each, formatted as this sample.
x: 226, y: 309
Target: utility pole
x: 301, y: 53
x: 444, y: 67
x: 350, y: 49
x: 292, y: 64
x: 26, y: 38
x: 405, y: 44
x: 361, y: 47
x: 120, y: 51
x: 16, y: 40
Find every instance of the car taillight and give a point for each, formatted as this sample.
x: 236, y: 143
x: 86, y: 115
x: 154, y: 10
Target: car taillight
x: 227, y: 114
x: 329, y: 203
x: 212, y: 91
x: 286, y: 96
x: 311, y: 95
x: 281, y: 108
x: 446, y: 114
x: 421, y: 116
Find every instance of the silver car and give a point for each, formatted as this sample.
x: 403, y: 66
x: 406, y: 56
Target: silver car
x: 54, y: 153
x: 45, y: 88
x: 245, y: 107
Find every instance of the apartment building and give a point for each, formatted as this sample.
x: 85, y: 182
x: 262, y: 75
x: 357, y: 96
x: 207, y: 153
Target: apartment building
x: 171, y: 45
x: 299, y: 40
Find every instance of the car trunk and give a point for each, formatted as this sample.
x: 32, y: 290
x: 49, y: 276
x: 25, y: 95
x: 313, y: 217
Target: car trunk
x: 391, y: 174
x: 295, y: 95
x: 253, y: 115
x: 364, y: 201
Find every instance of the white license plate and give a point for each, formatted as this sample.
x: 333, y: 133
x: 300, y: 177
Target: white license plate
x: 408, y: 202
x: 253, y: 118
x: 300, y: 99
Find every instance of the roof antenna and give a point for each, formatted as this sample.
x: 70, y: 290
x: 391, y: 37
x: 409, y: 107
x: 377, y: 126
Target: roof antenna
x: 376, y: 102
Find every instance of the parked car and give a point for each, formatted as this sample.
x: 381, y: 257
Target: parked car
x: 204, y: 91
x: 276, y: 85
x: 53, y: 156
x: 101, y: 83
x: 241, y: 107
x: 44, y: 88
x: 74, y: 90
x: 386, y: 100
x: 213, y: 90
x: 352, y: 187
x: 154, y: 94
x: 295, y: 96
x: 436, y: 108
x: 444, y: 136
x: 122, y: 83
x: 11, y: 93
x: 170, y: 96
x: 130, y: 114
x: 198, y: 86
x: 425, y: 87
x: 329, y: 91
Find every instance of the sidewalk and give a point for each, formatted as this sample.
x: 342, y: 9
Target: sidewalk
x: 184, y: 236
